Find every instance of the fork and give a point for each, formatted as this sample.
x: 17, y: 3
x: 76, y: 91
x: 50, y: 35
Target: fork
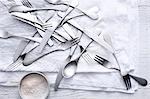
x: 34, y: 55
x: 140, y: 80
x: 100, y: 60
x: 86, y: 56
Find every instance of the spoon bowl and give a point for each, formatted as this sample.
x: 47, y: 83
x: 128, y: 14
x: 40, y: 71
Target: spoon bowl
x: 69, y: 69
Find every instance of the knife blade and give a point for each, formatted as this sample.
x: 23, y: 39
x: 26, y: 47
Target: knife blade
x: 91, y: 35
x: 52, y: 29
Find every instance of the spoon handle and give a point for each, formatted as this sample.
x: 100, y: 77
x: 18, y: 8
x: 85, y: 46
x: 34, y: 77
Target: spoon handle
x: 141, y: 81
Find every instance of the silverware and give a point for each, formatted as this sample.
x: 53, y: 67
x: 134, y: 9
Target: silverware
x: 34, y: 55
x: 30, y: 19
x: 70, y: 68
x: 5, y: 35
x: 60, y: 75
x: 63, y: 34
x: 90, y: 15
x: 125, y: 77
x: 68, y: 30
x: 100, y: 60
x: 23, y: 9
x: 96, y: 38
x: 38, y: 18
x: 48, y: 35
x: 24, y: 43
x: 87, y: 58
x: 141, y: 81
x: 15, y: 64
x: 59, y: 38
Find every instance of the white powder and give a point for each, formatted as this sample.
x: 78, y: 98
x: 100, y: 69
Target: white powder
x: 34, y: 86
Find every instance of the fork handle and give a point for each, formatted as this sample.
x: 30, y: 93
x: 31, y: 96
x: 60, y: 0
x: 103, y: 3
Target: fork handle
x: 141, y: 81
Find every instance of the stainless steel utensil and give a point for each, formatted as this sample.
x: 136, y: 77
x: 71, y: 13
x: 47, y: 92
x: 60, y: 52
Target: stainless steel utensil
x: 5, y: 35
x: 91, y: 35
x: 23, y: 43
x: 34, y: 55
x: 90, y: 15
x: 139, y: 80
x: 23, y: 9
x: 30, y: 19
x: 47, y: 36
x: 70, y: 69
x: 72, y: 50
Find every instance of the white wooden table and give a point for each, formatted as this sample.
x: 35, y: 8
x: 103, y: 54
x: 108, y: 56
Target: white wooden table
x: 142, y: 93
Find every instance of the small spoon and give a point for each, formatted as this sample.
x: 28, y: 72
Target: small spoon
x: 70, y: 69
x: 5, y: 35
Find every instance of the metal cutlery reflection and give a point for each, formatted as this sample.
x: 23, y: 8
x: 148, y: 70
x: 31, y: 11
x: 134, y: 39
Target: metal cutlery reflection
x: 141, y: 81
x: 91, y: 35
x: 34, y: 55
x: 90, y: 15
x: 23, y: 9
x: 38, y: 18
x: 100, y: 60
x: 48, y: 35
x: 24, y: 43
x: 5, y: 35
x: 71, y: 67
x: 72, y: 50
x: 30, y: 19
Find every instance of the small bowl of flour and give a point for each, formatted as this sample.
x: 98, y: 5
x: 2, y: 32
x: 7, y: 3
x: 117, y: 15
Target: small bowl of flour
x: 34, y: 86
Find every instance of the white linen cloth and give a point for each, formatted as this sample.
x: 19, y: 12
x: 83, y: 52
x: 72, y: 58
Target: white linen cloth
x: 119, y: 18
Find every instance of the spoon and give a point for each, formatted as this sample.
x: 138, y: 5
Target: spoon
x: 90, y: 15
x: 71, y: 67
x: 141, y: 81
x: 24, y: 9
x: 5, y: 35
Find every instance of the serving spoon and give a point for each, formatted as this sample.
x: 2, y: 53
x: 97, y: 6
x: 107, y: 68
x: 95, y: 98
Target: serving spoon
x: 5, y: 34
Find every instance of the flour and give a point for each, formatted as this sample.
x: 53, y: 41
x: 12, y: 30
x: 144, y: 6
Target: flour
x: 34, y: 86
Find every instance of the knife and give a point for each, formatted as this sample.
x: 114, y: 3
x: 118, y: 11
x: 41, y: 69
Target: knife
x: 24, y: 43
x: 52, y: 29
x: 91, y: 35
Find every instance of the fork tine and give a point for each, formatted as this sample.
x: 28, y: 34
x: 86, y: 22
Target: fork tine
x: 12, y: 66
x: 29, y: 3
x: 99, y: 61
x: 88, y: 56
x: 125, y: 81
x: 26, y: 3
x: 129, y: 81
x: 75, y: 41
x: 101, y: 58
